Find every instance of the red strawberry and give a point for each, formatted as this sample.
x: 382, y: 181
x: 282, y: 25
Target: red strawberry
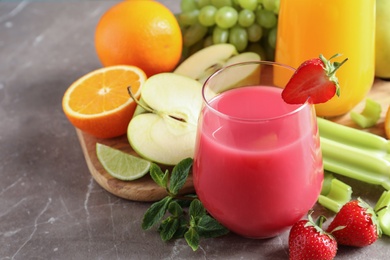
x: 314, y: 79
x: 360, y: 224
x: 307, y: 240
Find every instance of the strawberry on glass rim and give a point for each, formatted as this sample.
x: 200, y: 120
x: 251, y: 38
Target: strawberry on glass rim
x: 314, y: 81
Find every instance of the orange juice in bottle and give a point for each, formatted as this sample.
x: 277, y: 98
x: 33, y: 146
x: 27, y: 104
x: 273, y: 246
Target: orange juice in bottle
x: 309, y: 28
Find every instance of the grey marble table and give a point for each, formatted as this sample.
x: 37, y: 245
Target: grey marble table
x: 50, y: 206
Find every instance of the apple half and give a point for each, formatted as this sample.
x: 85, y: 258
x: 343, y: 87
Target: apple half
x: 165, y: 131
x: 203, y: 63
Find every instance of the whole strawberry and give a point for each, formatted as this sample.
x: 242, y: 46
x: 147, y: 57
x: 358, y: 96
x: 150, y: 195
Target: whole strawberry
x: 307, y: 240
x: 355, y: 224
x: 314, y: 81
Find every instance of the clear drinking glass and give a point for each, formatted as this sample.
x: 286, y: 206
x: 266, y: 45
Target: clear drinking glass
x: 258, y: 163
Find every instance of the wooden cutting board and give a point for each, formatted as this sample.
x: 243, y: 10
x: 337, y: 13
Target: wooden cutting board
x: 144, y: 189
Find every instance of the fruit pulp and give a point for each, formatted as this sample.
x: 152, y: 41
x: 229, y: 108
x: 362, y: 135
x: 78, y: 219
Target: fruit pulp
x: 308, y: 28
x: 257, y: 177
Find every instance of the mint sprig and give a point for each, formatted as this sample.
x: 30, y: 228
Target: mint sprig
x: 185, y: 216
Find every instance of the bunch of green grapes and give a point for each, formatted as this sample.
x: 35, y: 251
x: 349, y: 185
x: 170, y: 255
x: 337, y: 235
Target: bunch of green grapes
x: 250, y: 25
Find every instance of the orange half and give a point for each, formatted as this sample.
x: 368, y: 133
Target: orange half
x: 99, y: 104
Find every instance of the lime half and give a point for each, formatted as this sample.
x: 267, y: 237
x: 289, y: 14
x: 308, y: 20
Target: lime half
x: 121, y: 165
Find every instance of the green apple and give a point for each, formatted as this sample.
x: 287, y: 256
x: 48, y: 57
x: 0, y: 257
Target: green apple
x: 165, y: 131
x: 382, y: 39
x: 205, y: 62
x: 247, y: 75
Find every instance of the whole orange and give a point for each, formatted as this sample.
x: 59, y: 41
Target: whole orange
x: 140, y: 33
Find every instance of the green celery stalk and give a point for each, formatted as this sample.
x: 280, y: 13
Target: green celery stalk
x: 334, y: 193
x: 354, y: 153
x: 354, y: 137
x: 369, y: 116
x: 355, y: 163
x: 359, y: 155
x: 384, y: 213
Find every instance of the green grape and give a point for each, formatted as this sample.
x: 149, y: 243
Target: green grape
x: 255, y: 32
x: 266, y: 19
x: 203, y: 3
x: 277, y: 6
x: 221, y: 3
x: 207, y: 15
x: 226, y: 17
x: 236, y: 5
x: 248, y: 4
x: 194, y: 34
x: 271, y: 5
x: 272, y: 37
x: 188, y: 5
x: 238, y: 37
x: 246, y: 18
x: 220, y: 35
x: 188, y: 17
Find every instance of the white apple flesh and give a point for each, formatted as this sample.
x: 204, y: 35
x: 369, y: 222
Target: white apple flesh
x: 245, y: 76
x: 205, y: 62
x: 167, y: 135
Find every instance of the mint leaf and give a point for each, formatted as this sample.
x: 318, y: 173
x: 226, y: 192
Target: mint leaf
x: 196, y: 209
x: 182, y: 229
x: 192, y: 238
x: 155, y: 213
x: 208, y: 227
x: 175, y: 209
x: 192, y: 221
x: 158, y: 175
x: 179, y: 175
x: 191, y: 225
x: 168, y: 228
x: 186, y: 200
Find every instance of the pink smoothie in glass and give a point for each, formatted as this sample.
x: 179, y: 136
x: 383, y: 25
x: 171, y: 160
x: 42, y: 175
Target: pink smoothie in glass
x: 257, y: 177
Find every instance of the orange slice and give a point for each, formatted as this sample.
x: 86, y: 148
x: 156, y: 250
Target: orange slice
x: 99, y: 104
